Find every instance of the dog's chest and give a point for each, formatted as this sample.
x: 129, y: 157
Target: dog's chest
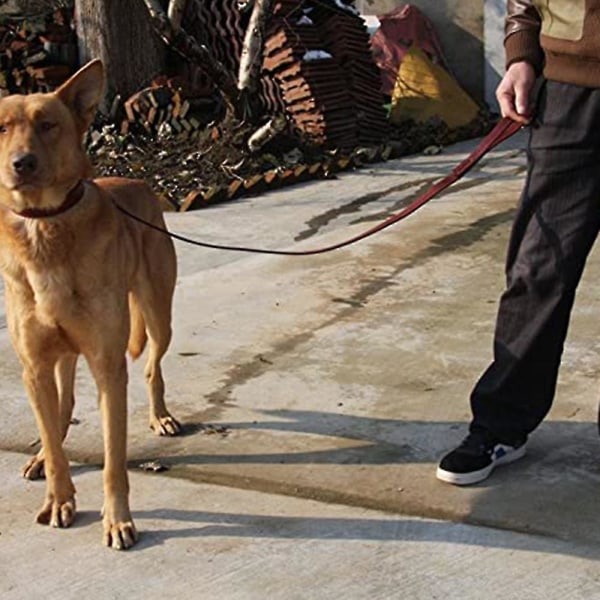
x: 40, y: 268
x: 54, y: 291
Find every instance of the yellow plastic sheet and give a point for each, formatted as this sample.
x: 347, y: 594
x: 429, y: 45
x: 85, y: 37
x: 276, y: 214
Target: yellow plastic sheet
x: 425, y: 90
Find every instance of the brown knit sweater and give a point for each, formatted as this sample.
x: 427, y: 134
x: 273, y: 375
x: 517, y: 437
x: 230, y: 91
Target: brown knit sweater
x: 560, y: 37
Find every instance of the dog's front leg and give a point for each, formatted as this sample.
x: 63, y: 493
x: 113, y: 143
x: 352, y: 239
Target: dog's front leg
x: 64, y: 375
x: 111, y: 378
x: 59, y: 507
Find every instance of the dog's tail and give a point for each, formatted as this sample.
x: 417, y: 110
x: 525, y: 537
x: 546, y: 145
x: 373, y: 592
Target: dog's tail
x: 137, y: 334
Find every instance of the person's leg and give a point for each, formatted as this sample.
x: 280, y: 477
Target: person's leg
x: 554, y: 229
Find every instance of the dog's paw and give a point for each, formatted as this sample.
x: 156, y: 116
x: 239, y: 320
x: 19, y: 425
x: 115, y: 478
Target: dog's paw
x: 34, y: 469
x: 119, y: 536
x: 166, y: 425
x: 57, y: 514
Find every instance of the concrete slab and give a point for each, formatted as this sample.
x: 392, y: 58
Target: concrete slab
x: 203, y: 541
x: 344, y: 377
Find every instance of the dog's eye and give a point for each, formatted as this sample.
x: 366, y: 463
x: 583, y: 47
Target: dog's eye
x: 47, y: 126
x: 3, y: 128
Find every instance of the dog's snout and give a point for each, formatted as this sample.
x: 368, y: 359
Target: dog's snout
x: 25, y: 163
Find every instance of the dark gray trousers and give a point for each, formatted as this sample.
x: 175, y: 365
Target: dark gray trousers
x: 557, y: 221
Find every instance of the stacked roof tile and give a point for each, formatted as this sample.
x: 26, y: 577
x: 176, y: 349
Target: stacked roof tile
x: 320, y: 55
x: 220, y: 26
x: 317, y: 66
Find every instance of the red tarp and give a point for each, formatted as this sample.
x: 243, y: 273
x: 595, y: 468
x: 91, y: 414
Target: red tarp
x: 400, y: 29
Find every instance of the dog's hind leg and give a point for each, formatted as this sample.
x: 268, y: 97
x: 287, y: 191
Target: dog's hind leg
x: 161, y: 420
x: 157, y: 316
x: 154, y: 296
x: 64, y: 374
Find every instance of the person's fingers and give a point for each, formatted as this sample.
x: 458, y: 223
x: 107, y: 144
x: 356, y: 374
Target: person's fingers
x: 514, y: 92
x: 506, y: 101
x: 511, y: 105
x: 522, y: 98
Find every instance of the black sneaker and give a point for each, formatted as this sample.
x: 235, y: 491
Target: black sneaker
x: 476, y: 457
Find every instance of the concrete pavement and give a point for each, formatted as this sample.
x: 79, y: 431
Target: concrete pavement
x: 334, y: 383
x: 204, y: 541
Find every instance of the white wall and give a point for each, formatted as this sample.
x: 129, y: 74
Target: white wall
x: 493, y: 35
x: 471, y: 33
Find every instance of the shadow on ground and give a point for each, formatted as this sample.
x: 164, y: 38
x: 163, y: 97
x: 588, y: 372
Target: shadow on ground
x: 390, y: 465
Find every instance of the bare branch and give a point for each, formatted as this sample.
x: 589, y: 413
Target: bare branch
x: 175, y: 13
x: 185, y: 45
x: 251, y: 58
x: 266, y: 133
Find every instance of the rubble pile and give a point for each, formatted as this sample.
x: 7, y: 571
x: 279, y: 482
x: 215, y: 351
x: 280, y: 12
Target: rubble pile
x: 37, y: 53
x: 192, y: 172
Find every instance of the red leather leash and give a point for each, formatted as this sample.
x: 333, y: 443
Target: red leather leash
x: 501, y: 132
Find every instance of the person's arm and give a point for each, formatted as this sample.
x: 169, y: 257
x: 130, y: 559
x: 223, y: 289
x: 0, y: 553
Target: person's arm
x: 524, y: 59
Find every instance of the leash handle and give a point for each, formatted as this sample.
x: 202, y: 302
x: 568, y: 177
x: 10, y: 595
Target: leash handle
x: 503, y: 130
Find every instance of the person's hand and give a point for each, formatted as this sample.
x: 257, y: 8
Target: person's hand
x: 514, y: 92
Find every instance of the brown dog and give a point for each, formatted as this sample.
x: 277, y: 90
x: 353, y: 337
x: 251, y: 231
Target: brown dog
x: 80, y: 278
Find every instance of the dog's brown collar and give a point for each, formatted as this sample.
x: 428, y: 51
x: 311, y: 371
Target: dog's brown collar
x: 71, y: 199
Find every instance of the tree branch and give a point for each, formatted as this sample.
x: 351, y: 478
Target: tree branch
x: 251, y: 57
x: 175, y: 13
x: 185, y: 45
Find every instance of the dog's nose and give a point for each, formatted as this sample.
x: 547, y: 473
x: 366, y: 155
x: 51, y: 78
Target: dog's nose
x: 25, y: 163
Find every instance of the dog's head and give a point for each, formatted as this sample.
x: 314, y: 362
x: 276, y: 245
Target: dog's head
x: 41, y: 152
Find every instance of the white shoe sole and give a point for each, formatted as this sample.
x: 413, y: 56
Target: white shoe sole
x: 477, y: 476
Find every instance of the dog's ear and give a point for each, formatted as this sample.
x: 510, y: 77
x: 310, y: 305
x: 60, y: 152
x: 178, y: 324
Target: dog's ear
x: 83, y: 91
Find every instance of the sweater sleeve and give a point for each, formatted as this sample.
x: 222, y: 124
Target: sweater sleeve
x: 524, y: 46
x: 522, y: 34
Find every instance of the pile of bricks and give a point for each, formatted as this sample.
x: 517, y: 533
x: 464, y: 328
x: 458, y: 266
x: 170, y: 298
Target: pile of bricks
x: 160, y: 108
x: 36, y: 55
